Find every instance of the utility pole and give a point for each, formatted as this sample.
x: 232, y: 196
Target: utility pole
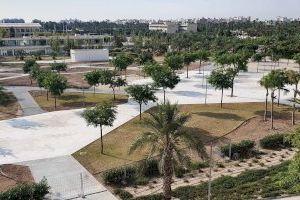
x: 210, y: 171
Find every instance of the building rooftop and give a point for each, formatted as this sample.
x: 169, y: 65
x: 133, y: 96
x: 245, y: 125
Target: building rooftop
x: 20, y: 25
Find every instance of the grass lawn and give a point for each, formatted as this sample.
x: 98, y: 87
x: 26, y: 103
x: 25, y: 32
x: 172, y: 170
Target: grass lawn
x: 208, y: 120
x: 9, y: 108
x: 73, y: 100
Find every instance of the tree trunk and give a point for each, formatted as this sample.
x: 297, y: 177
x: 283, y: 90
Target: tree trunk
x: 294, y: 104
x: 94, y: 90
x: 272, y: 102
x: 257, y: 67
x: 266, y: 106
x: 164, y: 96
x: 30, y: 81
x: 231, y: 95
x: 200, y: 66
x: 222, y: 98
x: 47, y: 95
x: 114, y: 93
x: 167, y: 173
x: 55, y: 102
x: 125, y: 74
x: 278, y: 99
x: 187, y: 71
x: 140, y: 111
x: 101, y: 138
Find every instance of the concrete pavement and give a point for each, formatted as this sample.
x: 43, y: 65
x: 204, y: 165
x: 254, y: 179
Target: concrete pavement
x: 68, y: 179
x: 26, y: 101
x: 64, y: 132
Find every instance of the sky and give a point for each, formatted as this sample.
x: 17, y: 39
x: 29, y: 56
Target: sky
x: 56, y: 10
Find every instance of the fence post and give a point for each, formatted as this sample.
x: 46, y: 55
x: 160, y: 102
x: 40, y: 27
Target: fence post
x: 210, y: 171
x: 81, y: 186
x: 230, y: 150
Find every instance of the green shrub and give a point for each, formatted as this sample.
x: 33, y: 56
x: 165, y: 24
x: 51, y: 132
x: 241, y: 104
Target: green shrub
x: 150, y: 168
x: 180, y: 171
x: 120, y: 176
x: 34, y: 191
x: 140, y: 180
x: 275, y: 141
x: 198, y: 165
x: 242, y: 149
x: 123, y: 194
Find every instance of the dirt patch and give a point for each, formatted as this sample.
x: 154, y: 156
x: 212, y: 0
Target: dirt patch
x: 12, y: 175
x: 9, y: 109
x: 256, y: 128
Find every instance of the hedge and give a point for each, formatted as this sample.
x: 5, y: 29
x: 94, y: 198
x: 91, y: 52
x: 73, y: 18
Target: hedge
x: 275, y: 141
x: 33, y: 191
x: 242, y: 149
x: 120, y: 176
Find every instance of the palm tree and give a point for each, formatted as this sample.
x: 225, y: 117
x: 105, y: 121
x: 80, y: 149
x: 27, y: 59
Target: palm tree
x: 166, y: 136
x: 265, y: 82
x: 293, y: 79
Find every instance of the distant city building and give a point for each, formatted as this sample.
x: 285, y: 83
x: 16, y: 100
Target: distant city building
x: 20, y: 29
x: 88, y: 55
x: 173, y: 27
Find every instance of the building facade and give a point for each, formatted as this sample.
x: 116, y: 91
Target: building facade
x: 42, y: 44
x: 20, y: 29
x: 89, y: 55
x: 173, y: 27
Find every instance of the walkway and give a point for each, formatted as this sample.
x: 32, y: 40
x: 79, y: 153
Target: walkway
x: 68, y: 179
x: 62, y: 133
x: 27, y: 103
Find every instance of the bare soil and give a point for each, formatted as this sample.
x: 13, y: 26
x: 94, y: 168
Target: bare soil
x: 12, y: 175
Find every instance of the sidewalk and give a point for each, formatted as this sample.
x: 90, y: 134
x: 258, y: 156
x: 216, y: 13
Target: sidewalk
x: 68, y: 179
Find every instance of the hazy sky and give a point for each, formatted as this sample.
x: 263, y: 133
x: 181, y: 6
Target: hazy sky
x: 145, y: 9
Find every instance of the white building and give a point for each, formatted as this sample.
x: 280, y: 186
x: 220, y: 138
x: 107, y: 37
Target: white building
x: 165, y: 27
x: 89, y: 55
x: 173, y: 27
x: 20, y: 29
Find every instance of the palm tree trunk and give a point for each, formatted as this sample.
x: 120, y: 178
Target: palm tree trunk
x: 167, y: 174
x: 278, y: 100
x: 231, y: 95
x: 266, y: 106
x: 47, y: 95
x: 164, y: 96
x: 101, y: 138
x: 272, y: 102
x: 222, y: 98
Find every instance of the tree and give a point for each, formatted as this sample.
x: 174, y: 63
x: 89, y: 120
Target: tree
x: 297, y: 59
x: 166, y: 136
x: 101, y: 115
x: 280, y: 79
x: 34, y: 72
x: 188, y: 58
x: 28, y: 66
x: 59, y: 67
x: 141, y: 94
x: 220, y: 79
x: 116, y: 82
x: 56, y: 84
x: 293, y: 79
x: 258, y: 57
x: 202, y: 56
x: 3, y: 95
x: 93, y: 78
x: 122, y: 61
x: 55, y: 46
x: 164, y: 77
x: 145, y: 57
x: 175, y: 62
x: 265, y: 82
x: 41, y: 80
